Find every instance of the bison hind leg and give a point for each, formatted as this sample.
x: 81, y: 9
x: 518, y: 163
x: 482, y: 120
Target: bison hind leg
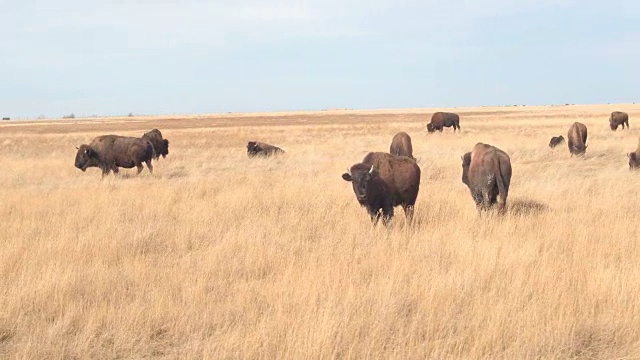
x: 408, y: 212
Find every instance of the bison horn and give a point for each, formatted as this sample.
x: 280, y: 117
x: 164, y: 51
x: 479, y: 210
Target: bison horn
x: 371, y: 170
x: 77, y: 148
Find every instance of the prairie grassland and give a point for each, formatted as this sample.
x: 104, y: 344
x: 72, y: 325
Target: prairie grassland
x: 219, y: 256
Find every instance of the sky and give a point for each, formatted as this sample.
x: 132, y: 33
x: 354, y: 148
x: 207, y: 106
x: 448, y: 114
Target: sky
x: 177, y: 57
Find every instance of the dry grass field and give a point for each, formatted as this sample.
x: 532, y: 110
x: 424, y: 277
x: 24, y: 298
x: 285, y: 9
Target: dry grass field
x: 218, y: 256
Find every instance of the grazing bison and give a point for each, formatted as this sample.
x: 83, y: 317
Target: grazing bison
x: 6, y: 118
x: 160, y: 145
x: 440, y: 120
x: 401, y: 145
x: 577, y: 139
x: 256, y: 148
x: 555, y: 141
x: 634, y: 160
x: 486, y: 170
x: 618, y: 118
x: 382, y: 181
x: 109, y: 152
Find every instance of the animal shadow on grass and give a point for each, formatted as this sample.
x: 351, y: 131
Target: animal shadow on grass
x: 526, y: 207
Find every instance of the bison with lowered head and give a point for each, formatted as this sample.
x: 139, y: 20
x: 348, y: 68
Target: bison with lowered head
x: 109, y: 152
x: 486, y: 170
x: 256, y: 148
x: 577, y: 139
x: 160, y: 145
x: 441, y: 120
x: 382, y: 181
x: 618, y: 118
x: 555, y: 141
x: 401, y: 145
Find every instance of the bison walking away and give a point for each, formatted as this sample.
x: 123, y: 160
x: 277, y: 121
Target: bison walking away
x: 634, y: 158
x: 401, y: 145
x: 555, y: 141
x: 160, y: 145
x: 256, y: 148
x: 109, y: 152
x: 382, y: 181
x: 618, y: 118
x: 486, y: 170
x: 577, y: 139
x: 441, y: 120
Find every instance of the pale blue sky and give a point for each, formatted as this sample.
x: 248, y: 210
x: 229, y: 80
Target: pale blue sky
x: 167, y: 57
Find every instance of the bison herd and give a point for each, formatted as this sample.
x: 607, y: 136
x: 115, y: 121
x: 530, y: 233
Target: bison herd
x: 381, y: 181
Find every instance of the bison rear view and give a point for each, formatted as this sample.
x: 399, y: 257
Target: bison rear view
x: 486, y: 171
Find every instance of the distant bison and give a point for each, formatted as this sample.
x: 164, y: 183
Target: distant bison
x: 441, y: 120
x: 634, y: 158
x: 256, y: 148
x: 6, y: 118
x: 618, y: 118
x: 555, y: 141
x: 577, y: 139
x: 382, y: 181
x: 160, y: 145
x: 486, y: 170
x: 109, y: 152
x: 401, y: 145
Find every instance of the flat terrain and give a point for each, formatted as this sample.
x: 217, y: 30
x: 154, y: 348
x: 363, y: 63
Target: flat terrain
x: 219, y: 256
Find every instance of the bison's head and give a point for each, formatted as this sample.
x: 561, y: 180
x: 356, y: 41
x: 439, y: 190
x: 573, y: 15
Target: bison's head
x: 253, y: 148
x: 430, y: 128
x: 360, y: 175
x: 579, y: 149
x: 85, y: 157
x: 165, y: 148
x: 613, y: 125
x: 633, y: 161
x: 466, y: 161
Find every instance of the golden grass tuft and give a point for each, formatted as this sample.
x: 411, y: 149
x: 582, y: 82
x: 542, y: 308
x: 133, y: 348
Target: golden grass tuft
x: 219, y: 256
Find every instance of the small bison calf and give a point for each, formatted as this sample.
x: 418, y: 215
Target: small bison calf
x: 555, y: 141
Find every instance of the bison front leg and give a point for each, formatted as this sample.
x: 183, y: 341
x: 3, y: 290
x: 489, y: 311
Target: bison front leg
x: 149, y: 166
x: 140, y: 168
x: 387, y: 215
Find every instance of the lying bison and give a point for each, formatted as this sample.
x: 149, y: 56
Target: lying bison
x: 160, y: 145
x: 382, y: 181
x: 256, y: 148
x: 109, y: 152
x: 577, y: 139
x: 441, y: 120
x: 618, y: 118
x: 486, y: 170
x: 555, y: 141
x: 634, y: 158
x: 401, y: 145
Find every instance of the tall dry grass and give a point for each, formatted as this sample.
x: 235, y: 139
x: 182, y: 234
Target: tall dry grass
x: 219, y: 256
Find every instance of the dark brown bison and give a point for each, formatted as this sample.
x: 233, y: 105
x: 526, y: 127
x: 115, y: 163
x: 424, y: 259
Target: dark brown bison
x: 618, y: 118
x: 160, y: 145
x: 486, y: 170
x: 256, y: 148
x: 555, y: 141
x: 401, y: 145
x: 382, y: 181
x: 441, y: 120
x: 6, y: 118
x: 109, y: 152
x: 634, y: 158
x: 577, y: 139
